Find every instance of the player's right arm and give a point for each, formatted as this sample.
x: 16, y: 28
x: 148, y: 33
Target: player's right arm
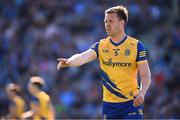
x: 77, y: 59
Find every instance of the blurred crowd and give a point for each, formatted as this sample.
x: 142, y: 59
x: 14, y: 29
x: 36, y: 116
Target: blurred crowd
x: 34, y: 33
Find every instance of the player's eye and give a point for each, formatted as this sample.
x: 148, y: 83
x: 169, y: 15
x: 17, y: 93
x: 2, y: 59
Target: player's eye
x: 110, y: 21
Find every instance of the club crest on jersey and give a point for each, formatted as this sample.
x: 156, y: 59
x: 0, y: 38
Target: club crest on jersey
x: 127, y: 52
x: 105, y: 50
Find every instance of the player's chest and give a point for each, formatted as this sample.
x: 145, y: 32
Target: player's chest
x: 118, y: 53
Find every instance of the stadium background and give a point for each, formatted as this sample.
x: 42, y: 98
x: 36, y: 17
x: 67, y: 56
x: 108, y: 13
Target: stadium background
x: 34, y: 33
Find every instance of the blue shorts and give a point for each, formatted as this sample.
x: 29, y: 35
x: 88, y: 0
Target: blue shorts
x: 123, y: 110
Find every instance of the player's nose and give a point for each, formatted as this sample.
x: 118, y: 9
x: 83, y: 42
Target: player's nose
x: 108, y: 26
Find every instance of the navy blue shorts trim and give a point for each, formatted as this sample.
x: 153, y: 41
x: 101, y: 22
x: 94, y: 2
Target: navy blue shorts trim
x: 122, y: 110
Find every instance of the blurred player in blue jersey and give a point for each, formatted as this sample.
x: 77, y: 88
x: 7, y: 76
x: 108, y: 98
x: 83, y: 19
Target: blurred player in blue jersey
x: 120, y: 58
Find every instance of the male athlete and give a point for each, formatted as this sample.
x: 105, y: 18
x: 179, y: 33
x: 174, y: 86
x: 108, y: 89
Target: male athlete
x: 41, y: 107
x: 120, y: 58
x: 17, y: 104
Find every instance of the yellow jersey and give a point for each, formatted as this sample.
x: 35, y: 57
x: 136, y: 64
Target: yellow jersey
x: 118, y: 64
x: 19, y: 103
x: 43, y: 101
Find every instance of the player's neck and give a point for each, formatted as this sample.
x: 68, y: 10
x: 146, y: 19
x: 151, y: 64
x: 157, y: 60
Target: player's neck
x: 12, y: 97
x: 118, y: 38
x: 37, y: 93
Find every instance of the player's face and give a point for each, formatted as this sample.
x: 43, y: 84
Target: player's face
x: 113, y: 24
x: 8, y: 92
x: 31, y: 88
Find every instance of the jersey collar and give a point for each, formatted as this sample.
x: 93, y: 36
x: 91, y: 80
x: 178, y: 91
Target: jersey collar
x: 117, y: 44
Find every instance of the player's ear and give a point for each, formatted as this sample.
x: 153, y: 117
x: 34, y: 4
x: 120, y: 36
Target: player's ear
x: 122, y: 22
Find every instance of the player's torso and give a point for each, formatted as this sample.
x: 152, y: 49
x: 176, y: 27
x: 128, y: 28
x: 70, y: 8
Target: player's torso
x: 20, y: 105
x: 119, y: 69
x: 44, y: 105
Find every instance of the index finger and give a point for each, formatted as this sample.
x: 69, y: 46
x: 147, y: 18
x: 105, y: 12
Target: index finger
x: 59, y: 65
x: 61, y: 59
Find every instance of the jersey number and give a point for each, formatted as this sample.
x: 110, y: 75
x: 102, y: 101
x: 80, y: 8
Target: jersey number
x: 116, y: 52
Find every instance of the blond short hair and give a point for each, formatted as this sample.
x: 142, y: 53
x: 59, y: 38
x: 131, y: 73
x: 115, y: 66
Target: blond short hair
x: 120, y: 10
x: 37, y: 80
x: 13, y: 87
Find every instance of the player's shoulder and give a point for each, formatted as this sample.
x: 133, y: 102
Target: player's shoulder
x: 44, y: 95
x: 104, y: 40
x: 137, y: 41
x: 132, y: 39
x: 19, y: 99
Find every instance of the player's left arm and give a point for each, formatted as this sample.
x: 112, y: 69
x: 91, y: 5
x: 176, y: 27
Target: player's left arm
x: 145, y: 74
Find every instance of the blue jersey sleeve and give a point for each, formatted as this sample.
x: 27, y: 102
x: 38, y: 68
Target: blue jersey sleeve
x: 35, y: 101
x: 141, y: 52
x: 95, y: 48
x: 12, y: 103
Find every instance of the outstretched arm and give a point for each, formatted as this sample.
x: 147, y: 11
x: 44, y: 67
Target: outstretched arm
x: 77, y: 59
